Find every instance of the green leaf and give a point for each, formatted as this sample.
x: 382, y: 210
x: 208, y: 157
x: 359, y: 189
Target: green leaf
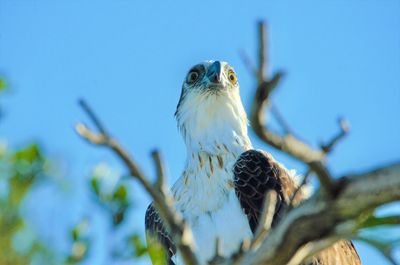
x: 118, y: 217
x: 75, y: 233
x: 374, y: 221
x: 120, y: 194
x: 94, y: 184
x: 30, y: 154
x: 139, y: 246
x: 3, y: 84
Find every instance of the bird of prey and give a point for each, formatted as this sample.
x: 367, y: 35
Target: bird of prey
x: 221, y: 191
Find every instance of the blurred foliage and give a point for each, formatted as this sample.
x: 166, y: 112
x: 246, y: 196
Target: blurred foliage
x: 2, y: 84
x: 19, y: 171
x: 80, y: 242
x: 3, y: 87
x: 110, y: 193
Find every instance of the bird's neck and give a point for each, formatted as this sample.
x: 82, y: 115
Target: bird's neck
x: 215, y: 151
x: 213, y: 126
x: 215, y: 130
x: 218, y: 143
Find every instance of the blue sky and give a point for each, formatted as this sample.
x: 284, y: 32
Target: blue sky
x: 128, y: 59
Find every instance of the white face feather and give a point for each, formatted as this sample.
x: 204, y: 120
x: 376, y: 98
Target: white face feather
x: 210, y: 112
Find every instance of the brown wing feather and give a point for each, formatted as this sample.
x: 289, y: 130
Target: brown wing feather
x: 256, y: 172
x: 254, y: 175
x: 155, y: 230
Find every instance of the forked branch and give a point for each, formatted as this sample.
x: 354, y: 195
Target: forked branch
x: 180, y: 232
x: 288, y: 143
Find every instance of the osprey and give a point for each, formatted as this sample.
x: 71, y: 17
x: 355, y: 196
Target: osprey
x: 221, y: 191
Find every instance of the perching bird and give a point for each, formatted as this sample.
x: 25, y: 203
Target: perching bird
x: 221, y: 191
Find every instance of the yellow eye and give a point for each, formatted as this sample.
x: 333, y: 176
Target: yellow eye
x: 232, y: 77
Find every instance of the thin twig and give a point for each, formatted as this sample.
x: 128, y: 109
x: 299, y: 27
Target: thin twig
x: 218, y: 258
x: 217, y: 246
x: 242, y: 250
x: 105, y: 140
x: 262, y: 42
x: 96, y: 121
x: 266, y: 218
x: 161, y: 172
x: 344, y: 130
x: 324, y: 177
x: 309, y: 248
x: 304, y: 182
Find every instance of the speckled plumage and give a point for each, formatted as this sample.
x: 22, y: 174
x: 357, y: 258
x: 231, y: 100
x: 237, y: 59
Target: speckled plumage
x: 223, y: 185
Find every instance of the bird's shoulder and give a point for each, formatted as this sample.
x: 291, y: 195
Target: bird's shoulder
x: 258, y: 168
x: 255, y: 173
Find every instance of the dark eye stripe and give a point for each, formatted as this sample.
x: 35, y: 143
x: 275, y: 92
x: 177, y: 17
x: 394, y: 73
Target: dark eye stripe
x: 197, y: 69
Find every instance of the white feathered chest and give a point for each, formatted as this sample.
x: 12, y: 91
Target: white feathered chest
x: 206, y: 198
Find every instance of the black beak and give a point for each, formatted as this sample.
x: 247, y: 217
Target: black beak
x: 214, y: 72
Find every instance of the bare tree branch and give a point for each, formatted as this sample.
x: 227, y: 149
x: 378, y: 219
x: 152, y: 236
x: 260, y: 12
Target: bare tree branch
x: 161, y: 172
x: 309, y: 248
x: 304, y: 182
x: 180, y: 231
x: 266, y: 218
x: 262, y: 41
x: 92, y: 117
x: 344, y: 130
x: 217, y: 259
x: 288, y: 143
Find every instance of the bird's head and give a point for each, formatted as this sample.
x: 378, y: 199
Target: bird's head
x: 210, y: 109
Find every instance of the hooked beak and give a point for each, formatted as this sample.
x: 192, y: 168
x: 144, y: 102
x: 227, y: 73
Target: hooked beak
x: 214, y: 73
